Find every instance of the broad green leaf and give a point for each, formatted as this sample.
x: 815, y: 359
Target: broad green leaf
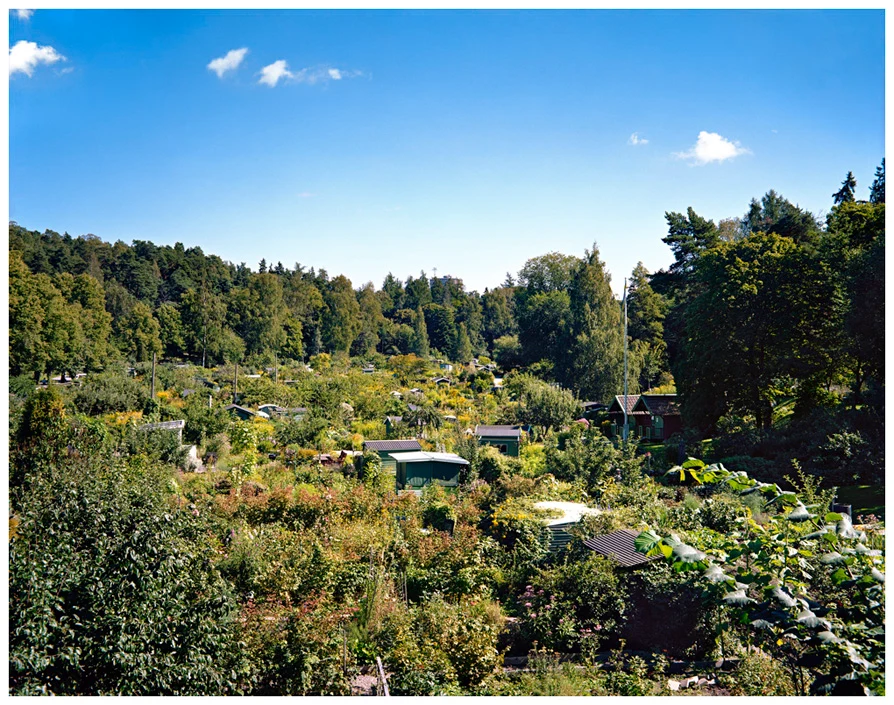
x: 833, y: 558
x: 737, y: 597
x: 646, y: 541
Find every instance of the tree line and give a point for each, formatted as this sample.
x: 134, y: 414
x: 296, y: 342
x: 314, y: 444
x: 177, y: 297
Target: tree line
x: 772, y: 303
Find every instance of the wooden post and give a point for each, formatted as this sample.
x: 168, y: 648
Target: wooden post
x: 382, y: 677
x: 152, y: 393
x: 235, y: 378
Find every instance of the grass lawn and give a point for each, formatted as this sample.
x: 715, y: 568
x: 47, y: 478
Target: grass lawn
x: 864, y: 499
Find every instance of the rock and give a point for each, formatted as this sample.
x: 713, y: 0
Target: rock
x: 673, y: 685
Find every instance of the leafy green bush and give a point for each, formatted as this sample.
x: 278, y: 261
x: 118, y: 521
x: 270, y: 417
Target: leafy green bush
x: 759, y: 674
x: 112, y: 592
x: 562, y: 605
x: 107, y: 392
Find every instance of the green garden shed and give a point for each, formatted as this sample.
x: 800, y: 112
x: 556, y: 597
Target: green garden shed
x: 506, y: 439
x: 385, y: 448
x: 417, y: 469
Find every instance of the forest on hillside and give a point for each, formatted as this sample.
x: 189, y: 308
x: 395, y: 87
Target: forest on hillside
x: 270, y: 553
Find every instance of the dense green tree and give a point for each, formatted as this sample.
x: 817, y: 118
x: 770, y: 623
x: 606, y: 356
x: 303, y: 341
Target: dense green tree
x: 775, y: 214
x: 441, y: 327
x: 541, y: 404
x: 341, y: 318
x: 877, y: 191
x: 420, y: 345
x: 498, y: 314
x: 86, y: 302
x: 594, y: 368
x: 688, y: 236
x: 462, y: 349
x: 544, y: 325
x: 767, y: 310
x: 417, y: 292
x: 170, y: 330
x: 550, y: 272
x: 846, y: 193
x: 37, y: 328
x: 143, y: 333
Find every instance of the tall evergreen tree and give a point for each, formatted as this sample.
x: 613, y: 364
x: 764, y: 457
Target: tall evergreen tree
x: 846, y: 193
x: 877, y: 191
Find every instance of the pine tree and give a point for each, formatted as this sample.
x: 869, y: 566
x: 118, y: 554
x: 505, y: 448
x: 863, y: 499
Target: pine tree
x: 846, y: 193
x: 877, y: 191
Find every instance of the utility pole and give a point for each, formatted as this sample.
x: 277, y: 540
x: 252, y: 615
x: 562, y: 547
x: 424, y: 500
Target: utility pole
x: 152, y: 391
x: 624, y: 435
x: 235, y: 375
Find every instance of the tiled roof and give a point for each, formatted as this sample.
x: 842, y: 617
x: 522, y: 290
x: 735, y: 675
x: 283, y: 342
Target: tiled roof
x: 619, y: 547
x: 617, y: 405
x: 498, y: 431
x: 395, y: 445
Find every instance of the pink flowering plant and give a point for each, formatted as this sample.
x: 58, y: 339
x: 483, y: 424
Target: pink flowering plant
x: 573, y: 606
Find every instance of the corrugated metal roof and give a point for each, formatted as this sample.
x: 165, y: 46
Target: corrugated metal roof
x: 400, y: 444
x: 163, y: 426
x: 498, y: 431
x: 423, y: 456
x: 618, y: 546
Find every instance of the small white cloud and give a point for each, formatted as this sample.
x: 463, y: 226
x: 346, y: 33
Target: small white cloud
x: 24, y: 14
x: 306, y: 194
x: 229, y: 62
x: 25, y: 56
x: 335, y: 74
x: 271, y: 74
x: 635, y: 139
x: 711, y: 147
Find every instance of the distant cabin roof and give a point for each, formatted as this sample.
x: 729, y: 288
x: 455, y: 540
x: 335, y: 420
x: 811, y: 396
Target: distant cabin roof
x: 236, y: 407
x: 619, y: 547
x: 659, y: 404
x: 394, y: 419
x: 401, y: 444
x: 439, y: 380
x: 423, y: 456
x: 163, y: 426
x: 571, y: 512
x: 617, y: 406
x: 275, y: 407
x: 498, y: 431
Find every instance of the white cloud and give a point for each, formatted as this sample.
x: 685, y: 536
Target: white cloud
x: 306, y: 194
x: 711, y: 147
x: 635, y: 139
x: 229, y: 62
x: 271, y: 74
x: 24, y: 14
x: 275, y: 71
x: 25, y: 56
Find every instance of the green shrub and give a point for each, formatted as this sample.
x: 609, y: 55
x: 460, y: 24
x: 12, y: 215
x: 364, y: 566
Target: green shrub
x: 108, y: 392
x: 113, y: 592
x: 758, y: 674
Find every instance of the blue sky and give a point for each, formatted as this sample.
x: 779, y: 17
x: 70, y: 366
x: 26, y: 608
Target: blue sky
x: 408, y: 140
